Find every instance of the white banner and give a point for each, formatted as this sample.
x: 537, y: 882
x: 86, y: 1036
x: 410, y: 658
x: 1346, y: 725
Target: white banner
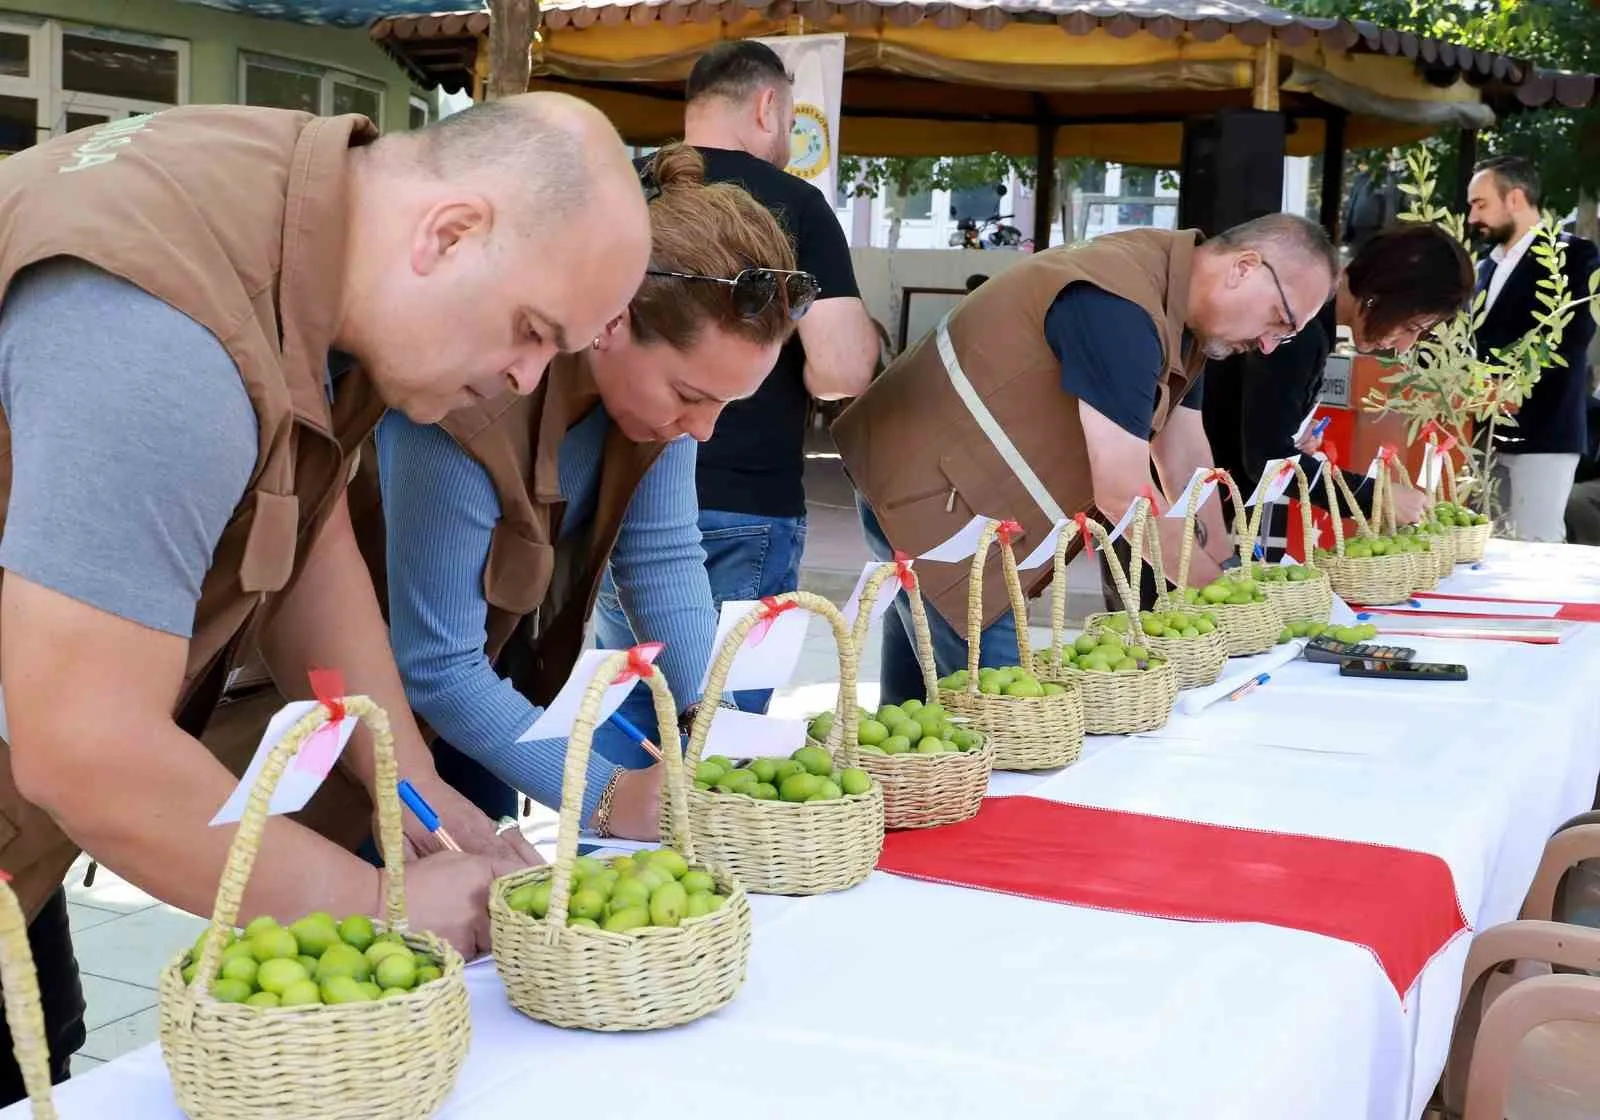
x: 817, y: 63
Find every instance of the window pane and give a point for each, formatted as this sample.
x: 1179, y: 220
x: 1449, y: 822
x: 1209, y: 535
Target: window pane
x: 919, y: 206
x: 1139, y: 182
x: 76, y: 121
x: 419, y: 115
x: 1092, y: 180
x: 19, y: 123
x: 13, y: 54
x: 273, y: 88
x: 355, y: 99
x: 93, y: 65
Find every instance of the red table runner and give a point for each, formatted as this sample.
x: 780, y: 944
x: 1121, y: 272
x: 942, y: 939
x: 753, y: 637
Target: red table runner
x: 1568, y: 612
x: 1399, y: 905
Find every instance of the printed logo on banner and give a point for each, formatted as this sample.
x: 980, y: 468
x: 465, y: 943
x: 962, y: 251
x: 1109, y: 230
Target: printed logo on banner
x: 810, y: 153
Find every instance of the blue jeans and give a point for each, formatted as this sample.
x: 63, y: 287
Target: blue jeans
x: 747, y: 557
x: 899, y: 674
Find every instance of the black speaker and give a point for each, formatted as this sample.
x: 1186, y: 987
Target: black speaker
x: 1232, y: 169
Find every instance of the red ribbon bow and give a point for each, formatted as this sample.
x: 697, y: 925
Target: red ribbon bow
x: 1148, y: 493
x: 770, y: 610
x: 1081, y: 520
x: 1215, y: 474
x: 902, y: 564
x: 1386, y: 453
x: 1008, y: 530
x: 5, y: 876
x: 1437, y: 435
x: 641, y: 662
x: 327, y: 685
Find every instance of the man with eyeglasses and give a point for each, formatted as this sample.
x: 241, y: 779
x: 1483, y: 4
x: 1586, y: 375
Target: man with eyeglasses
x: 1049, y: 390
x: 750, y: 474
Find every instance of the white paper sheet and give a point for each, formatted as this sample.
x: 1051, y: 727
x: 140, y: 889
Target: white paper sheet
x: 886, y: 593
x: 1275, y: 479
x: 737, y: 734
x: 1236, y: 674
x: 1046, y: 550
x: 557, y: 719
x: 1180, y: 508
x: 305, y: 772
x: 770, y: 652
x: 959, y: 546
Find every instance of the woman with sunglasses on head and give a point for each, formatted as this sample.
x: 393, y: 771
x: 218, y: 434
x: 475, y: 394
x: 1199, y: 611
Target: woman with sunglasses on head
x: 501, y: 519
x: 1402, y: 282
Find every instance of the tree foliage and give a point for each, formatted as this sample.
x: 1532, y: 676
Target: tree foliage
x: 1551, y: 34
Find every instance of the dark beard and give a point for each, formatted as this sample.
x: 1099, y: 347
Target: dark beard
x: 1495, y: 235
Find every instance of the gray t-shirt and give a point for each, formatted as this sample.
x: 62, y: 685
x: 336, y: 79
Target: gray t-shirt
x: 132, y: 440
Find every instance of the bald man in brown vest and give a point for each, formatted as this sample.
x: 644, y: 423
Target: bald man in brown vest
x: 1050, y: 389
x: 205, y: 311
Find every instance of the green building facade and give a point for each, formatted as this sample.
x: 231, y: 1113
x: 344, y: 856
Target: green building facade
x: 68, y: 64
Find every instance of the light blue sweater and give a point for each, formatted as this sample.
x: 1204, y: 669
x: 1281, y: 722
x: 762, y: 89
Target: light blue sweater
x: 441, y: 509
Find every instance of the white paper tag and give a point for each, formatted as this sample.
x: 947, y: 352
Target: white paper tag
x: 556, y: 721
x: 1047, y: 548
x: 1316, y: 472
x: 1304, y: 429
x: 960, y: 546
x: 886, y: 593
x: 1275, y: 479
x: 770, y: 653
x: 1377, y: 463
x: 737, y: 734
x: 1341, y: 615
x: 1428, y: 473
x: 1122, y: 526
x: 305, y: 772
x: 1180, y: 508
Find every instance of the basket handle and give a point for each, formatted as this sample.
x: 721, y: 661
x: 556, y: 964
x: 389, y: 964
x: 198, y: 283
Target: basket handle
x: 1244, y: 525
x: 1019, y: 605
x: 1190, y: 515
x: 842, y: 737
x: 1151, y: 526
x: 1090, y: 527
x: 575, y: 772
x: 921, y: 634
x: 1058, y: 583
x: 19, y: 983
x: 1363, y: 527
x: 247, y: 840
x: 1307, y: 529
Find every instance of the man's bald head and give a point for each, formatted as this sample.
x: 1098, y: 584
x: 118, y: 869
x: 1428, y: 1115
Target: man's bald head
x: 1260, y: 283
x: 557, y: 153
x: 480, y: 246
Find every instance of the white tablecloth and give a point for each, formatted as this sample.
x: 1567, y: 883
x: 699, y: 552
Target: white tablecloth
x: 909, y: 999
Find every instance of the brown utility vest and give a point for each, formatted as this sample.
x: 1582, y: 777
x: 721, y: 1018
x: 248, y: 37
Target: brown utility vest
x: 540, y: 589
x: 972, y: 419
x: 235, y: 216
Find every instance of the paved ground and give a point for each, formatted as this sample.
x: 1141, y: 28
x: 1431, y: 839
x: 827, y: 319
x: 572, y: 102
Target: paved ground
x: 124, y: 937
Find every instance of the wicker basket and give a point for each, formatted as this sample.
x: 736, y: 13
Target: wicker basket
x: 645, y: 979
x: 396, y: 1057
x: 1027, y: 732
x: 1113, y: 703
x: 783, y: 847
x: 1197, y: 661
x: 921, y: 790
x: 1247, y: 628
x: 1367, y: 580
x: 24, y: 1012
x: 1469, y: 540
x: 1311, y: 599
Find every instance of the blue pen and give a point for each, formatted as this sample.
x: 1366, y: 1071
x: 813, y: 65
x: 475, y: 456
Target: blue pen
x: 1256, y: 551
x: 1322, y: 426
x: 628, y: 728
x: 1249, y: 686
x: 430, y: 820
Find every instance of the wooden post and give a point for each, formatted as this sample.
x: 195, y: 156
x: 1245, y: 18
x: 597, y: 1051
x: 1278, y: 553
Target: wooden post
x: 1044, y: 185
x: 1467, y: 158
x: 1265, y: 94
x: 511, y: 27
x: 1333, y: 173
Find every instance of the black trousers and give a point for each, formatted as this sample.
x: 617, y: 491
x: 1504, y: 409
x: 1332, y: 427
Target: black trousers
x: 60, y: 994
x: 1108, y: 588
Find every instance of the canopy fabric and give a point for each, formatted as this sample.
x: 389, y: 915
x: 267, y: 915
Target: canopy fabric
x: 332, y: 13
x: 924, y: 77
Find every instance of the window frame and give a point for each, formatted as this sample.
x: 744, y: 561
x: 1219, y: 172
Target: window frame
x: 65, y: 100
x: 327, y: 77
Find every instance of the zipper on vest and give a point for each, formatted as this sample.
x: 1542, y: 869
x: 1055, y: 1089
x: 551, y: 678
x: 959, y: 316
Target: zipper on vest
x: 88, y: 876
x: 950, y: 501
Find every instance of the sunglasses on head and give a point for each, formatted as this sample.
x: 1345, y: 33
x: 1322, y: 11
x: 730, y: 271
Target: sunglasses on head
x: 753, y: 289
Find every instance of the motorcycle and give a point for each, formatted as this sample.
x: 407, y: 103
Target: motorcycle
x: 992, y: 233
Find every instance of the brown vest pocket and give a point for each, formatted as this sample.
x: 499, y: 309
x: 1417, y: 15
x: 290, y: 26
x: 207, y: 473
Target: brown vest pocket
x: 518, y: 572
x: 268, y: 559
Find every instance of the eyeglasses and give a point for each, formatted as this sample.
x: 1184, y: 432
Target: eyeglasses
x: 754, y: 289
x: 1288, y: 311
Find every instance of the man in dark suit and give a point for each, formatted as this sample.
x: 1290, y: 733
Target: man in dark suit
x: 1538, y: 456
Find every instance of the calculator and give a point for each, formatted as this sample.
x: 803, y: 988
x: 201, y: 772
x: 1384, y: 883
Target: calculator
x: 1332, y: 652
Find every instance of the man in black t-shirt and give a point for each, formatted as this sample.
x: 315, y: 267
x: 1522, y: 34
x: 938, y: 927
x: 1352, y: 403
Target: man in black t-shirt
x: 750, y: 477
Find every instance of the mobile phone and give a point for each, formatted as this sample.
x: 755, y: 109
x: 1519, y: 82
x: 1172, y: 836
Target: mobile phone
x: 1331, y: 651
x: 1402, y: 670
